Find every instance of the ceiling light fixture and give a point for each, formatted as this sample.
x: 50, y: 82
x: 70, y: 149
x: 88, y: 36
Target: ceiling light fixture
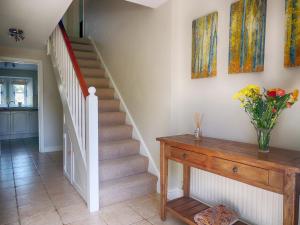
x: 17, y: 34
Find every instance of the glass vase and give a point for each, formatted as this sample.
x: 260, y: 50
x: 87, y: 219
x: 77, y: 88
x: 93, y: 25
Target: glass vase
x: 263, y: 138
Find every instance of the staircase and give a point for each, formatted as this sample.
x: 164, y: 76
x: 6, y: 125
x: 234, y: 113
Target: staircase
x: 123, y: 172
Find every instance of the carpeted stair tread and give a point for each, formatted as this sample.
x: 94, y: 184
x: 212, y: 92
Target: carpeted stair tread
x: 85, y: 55
x: 122, y: 167
x: 126, y: 188
x: 89, y: 63
x: 82, y: 47
x: 109, y: 105
x: 118, y: 149
x: 113, y: 133
x: 97, y: 82
x: 112, y: 118
x: 105, y: 93
x: 92, y: 72
x: 80, y: 40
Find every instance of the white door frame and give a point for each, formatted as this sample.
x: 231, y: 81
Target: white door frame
x: 39, y: 64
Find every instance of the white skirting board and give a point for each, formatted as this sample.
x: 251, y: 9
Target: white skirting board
x: 53, y: 148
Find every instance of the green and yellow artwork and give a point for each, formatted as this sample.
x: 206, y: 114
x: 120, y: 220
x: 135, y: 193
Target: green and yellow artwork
x: 204, y: 49
x: 292, y: 40
x: 247, y: 36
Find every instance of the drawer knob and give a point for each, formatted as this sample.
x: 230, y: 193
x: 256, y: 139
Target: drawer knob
x: 235, y: 169
x: 184, y: 155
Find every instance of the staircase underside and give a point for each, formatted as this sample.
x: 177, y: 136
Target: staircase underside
x: 123, y: 172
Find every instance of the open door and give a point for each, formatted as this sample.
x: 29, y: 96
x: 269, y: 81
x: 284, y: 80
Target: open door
x: 74, y: 19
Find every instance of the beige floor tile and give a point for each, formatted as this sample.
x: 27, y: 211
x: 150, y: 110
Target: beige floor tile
x: 9, y: 216
x: 43, y: 218
x: 35, y: 208
x: 92, y: 220
x: 30, y: 188
x: 120, y: 214
x: 7, y: 194
x: 33, y: 198
x: 26, y: 174
x: 66, y: 199
x: 147, y: 206
x: 28, y: 180
x: 169, y: 221
x: 143, y: 222
x: 60, y: 188
x: 6, y: 176
x: 73, y: 213
x: 6, y: 184
x: 6, y: 205
x: 6, y: 171
x: 14, y: 223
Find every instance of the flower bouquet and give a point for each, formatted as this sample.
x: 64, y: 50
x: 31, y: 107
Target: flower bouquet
x: 264, y: 109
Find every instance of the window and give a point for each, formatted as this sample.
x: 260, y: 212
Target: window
x: 1, y: 93
x: 19, y: 94
x: 16, y: 92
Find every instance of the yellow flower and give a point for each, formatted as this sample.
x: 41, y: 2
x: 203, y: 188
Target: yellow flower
x: 295, y: 94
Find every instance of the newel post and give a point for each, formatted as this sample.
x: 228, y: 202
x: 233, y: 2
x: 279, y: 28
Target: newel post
x: 92, y: 150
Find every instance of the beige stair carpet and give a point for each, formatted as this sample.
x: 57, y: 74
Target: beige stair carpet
x: 123, y: 172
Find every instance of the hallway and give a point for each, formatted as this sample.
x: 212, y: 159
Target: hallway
x: 33, y: 191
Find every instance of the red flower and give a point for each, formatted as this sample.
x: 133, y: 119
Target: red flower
x: 274, y: 110
x: 280, y: 92
x: 271, y: 93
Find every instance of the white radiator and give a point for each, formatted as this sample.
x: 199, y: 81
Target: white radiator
x: 256, y: 206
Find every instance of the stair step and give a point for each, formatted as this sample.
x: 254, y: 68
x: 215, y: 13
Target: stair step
x: 90, y: 63
x: 105, y: 93
x: 97, y: 82
x: 80, y: 40
x: 114, y: 133
x: 117, y: 168
x: 85, y: 55
x: 126, y: 188
x: 92, y: 72
x: 118, y: 149
x: 109, y: 105
x: 82, y: 47
x: 112, y: 118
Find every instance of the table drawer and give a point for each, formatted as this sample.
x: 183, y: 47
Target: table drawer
x: 276, y: 179
x: 187, y: 156
x: 240, y: 170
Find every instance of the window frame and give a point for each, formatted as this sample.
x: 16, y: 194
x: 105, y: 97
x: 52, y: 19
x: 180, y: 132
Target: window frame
x: 8, y: 90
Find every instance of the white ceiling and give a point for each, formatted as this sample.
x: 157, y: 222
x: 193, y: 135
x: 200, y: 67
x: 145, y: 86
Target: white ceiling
x: 37, y: 18
x: 148, y: 3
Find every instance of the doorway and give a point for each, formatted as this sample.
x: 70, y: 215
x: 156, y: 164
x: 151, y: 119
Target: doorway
x: 21, y: 100
x: 74, y: 19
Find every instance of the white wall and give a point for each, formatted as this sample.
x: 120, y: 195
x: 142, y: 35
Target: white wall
x: 213, y: 96
x: 52, y: 104
x: 223, y: 117
x: 135, y: 43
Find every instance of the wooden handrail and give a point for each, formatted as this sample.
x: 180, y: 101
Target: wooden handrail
x: 78, y: 73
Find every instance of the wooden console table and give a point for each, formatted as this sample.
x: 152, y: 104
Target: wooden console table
x: 277, y: 171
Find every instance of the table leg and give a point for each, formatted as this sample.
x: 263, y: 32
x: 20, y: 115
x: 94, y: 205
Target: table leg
x: 186, y: 180
x: 163, y: 181
x: 291, y: 199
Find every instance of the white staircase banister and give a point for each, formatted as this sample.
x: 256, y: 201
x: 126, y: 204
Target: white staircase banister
x: 92, y: 146
x: 80, y: 106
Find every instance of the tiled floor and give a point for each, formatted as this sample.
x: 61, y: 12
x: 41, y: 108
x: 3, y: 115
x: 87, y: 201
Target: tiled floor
x: 33, y: 191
